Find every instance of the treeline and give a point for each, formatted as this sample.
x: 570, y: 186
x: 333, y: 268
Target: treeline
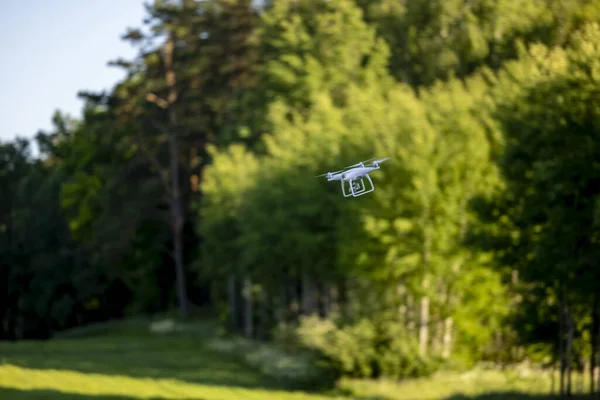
x: 192, y: 182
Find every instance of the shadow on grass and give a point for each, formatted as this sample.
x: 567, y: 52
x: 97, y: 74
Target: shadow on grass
x: 182, y: 358
x: 15, y: 394
x: 349, y: 394
x: 369, y: 398
x: 518, y: 396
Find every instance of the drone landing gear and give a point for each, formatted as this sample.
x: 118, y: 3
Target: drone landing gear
x: 356, y: 188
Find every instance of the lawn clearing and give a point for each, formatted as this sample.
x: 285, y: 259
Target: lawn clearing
x: 176, y: 367
x: 128, y: 361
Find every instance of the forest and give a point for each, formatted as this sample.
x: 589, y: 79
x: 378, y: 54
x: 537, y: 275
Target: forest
x: 190, y: 185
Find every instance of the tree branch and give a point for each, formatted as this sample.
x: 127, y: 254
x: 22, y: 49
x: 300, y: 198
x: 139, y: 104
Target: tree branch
x: 170, y: 72
x: 153, y: 160
x: 151, y: 97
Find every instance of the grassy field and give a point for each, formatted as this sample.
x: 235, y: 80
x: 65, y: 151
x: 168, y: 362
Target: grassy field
x: 127, y: 361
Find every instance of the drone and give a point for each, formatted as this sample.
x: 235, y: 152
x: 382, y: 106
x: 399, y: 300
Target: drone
x: 354, y: 177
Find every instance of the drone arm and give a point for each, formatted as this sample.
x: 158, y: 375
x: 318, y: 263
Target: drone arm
x: 371, y: 182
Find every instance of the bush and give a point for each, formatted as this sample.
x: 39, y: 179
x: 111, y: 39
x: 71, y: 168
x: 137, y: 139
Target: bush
x: 299, y: 368
x: 363, y: 349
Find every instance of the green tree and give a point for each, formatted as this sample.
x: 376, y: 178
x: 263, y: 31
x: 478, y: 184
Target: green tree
x: 549, y: 202
x: 433, y: 40
x: 117, y: 223
x: 177, y: 99
x: 50, y: 285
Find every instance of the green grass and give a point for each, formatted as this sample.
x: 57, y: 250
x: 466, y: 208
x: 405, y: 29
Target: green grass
x: 126, y: 361
x: 131, y: 368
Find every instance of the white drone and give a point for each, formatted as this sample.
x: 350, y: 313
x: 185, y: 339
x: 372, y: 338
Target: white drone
x: 354, y: 175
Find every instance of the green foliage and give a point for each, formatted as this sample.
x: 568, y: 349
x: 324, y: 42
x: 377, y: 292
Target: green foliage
x: 39, y: 261
x: 544, y: 213
x: 433, y: 40
x: 411, y: 228
x: 304, y: 369
x: 115, y: 222
x: 225, y: 185
x: 365, y: 349
x: 306, y: 48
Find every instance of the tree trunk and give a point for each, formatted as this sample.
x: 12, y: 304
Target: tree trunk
x: 282, y: 305
x: 401, y: 292
x: 424, y: 320
x: 177, y: 218
x: 424, y: 312
x: 308, y: 295
x: 248, y: 308
x: 20, y: 322
x: 13, y: 310
x: 447, y: 340
x: 410, y: 311
x: 584, y: 373
x: 515, y: 277
x: 231, y: 299
x: 594, y: 343
x: 553, y: 377
x: 323, y: 293
x: 294, y: 305
x: 344, y: 309
x: 7, y: 278
x: 4, y: 290
x: 334, y: 299
x: 325, y: 296
x: 178, y: 255
x: 436, y: 334
x: 569, y: 355
x: 263, y: 316
x: 598, y: 364
x: 561, y: 351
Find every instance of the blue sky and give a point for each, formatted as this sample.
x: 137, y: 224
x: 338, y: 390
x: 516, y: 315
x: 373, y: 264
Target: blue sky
x: 53, y: 49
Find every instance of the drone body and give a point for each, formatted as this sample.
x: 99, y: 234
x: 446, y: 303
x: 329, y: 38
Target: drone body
x: 354, y: 176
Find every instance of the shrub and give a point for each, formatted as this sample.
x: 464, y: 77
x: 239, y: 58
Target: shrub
x: 363, y: 349
x: 164, y: 326
x: 300, y: 368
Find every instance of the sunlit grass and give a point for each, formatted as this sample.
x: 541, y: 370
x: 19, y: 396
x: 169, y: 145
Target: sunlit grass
x: 133, y: 360
x: 91, y: 384
x: 485, y: 384
x: 446, y: 384
x: 134, y: 365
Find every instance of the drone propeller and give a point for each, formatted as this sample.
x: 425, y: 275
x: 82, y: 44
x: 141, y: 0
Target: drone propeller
x: 329, y: 173
x: 376, y: 162
x: 359, y: 164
